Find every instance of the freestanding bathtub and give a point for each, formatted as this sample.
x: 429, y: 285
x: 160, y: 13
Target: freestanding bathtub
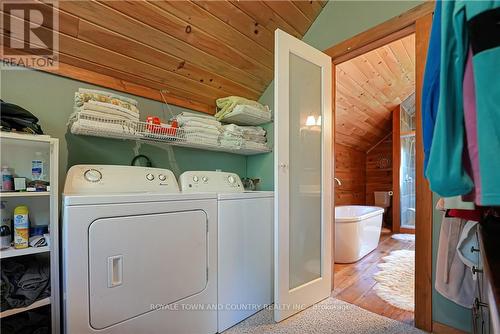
x: 357, y: 231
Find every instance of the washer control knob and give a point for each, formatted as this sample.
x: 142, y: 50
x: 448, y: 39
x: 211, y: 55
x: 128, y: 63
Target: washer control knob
x: 204, y: 179
x: 231, y: 179
x: 162, y: 177
x: 92, y: 175
x: 150, y: 177
x: 196, y: 178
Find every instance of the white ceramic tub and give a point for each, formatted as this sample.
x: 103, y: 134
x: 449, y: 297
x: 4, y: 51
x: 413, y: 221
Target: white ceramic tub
x: 357, y: 231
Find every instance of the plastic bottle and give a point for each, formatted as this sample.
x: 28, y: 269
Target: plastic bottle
x: 7, y: 179
x: 5, y: 226
x: 21, y: 227
x: 38, y: 167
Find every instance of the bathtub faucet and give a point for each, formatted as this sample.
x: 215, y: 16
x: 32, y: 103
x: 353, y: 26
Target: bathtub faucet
x: 338, y: 181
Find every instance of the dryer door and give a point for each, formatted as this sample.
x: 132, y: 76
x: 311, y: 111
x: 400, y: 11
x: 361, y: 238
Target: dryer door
x: 138, y: 261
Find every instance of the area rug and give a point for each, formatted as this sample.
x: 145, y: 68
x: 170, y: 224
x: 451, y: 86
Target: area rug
x: 404, y: 237
x: 330, y: 316
x: 396, y: 279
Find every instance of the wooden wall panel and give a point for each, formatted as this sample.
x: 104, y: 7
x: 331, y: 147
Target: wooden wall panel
x: 199, y: 51
x: 369, y: 87
x: 350, y: 169
x: 379, y: 170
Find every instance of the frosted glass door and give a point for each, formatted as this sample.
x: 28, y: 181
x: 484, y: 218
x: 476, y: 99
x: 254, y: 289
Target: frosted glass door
x: 303, y: 175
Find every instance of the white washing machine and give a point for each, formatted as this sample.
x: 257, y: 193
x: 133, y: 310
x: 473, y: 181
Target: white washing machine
x: 245, y: 244
x: 138, y: 256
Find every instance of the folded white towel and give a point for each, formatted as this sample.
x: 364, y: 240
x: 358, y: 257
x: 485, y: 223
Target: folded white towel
x: 202, y: 130
x: 199, y: 123
x: 254, y: 145
x: 111, y: 109
x: 254, y: 130
x: 109, y: 94
x: 108, y: 115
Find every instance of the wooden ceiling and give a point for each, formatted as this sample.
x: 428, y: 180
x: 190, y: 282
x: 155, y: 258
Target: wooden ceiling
x: 368, y: 88
x: 197, y: 51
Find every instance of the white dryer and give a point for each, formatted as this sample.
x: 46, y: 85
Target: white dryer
x: 245, y: 244
x: 138, y: 256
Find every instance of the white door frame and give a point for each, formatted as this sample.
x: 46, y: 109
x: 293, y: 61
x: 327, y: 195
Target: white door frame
x: 290, y: 301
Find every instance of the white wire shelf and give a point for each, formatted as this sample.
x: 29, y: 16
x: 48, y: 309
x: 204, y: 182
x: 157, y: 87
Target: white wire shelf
x: 99, y: 126
x: 11, y: 251
x: 24, y: 194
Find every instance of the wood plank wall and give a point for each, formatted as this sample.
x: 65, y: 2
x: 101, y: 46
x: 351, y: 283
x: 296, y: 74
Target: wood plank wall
x: 350, y: 168
x: 379, y: 169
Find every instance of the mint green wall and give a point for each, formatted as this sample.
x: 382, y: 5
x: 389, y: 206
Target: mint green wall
x: 338, y: 21
x: 50, y: 98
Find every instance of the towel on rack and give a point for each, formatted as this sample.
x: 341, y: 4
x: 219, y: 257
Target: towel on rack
x: 107, y: 111
x: 226, y: 105
x: 188, y: 120
x: 87, y: 95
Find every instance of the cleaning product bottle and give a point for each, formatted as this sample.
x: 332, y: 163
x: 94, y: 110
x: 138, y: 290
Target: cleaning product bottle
x: 7, y: 179
x: 5, y: 226
x: 38, y: 167
x: 21, y: 227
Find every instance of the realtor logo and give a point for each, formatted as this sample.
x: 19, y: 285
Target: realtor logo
x: 30, y: 34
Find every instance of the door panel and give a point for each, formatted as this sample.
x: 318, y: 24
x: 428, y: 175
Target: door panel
x: 303, y: 215
x: 138, y: 260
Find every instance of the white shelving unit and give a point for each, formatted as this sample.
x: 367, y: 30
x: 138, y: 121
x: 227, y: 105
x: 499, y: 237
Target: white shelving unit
x: 25, y: 194
x: 12, y: 252
x: 17, y: 151
x: 97, y: 126
x: 37, y: 304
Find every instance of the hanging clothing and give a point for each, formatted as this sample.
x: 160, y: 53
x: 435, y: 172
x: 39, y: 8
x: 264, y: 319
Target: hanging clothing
x: 484, y: 32
x: 453, y: 278
x: 430, y: 87
x: 445, y: 170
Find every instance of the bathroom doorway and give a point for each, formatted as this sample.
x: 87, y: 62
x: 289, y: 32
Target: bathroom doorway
x: 375, y: 147
x: 416, y: 21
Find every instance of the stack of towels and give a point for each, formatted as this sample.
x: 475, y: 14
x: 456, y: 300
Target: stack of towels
x: 199, y: 128
x: 100, y: 112
x: 243, y: 137
x: 227, y: 105
x: 105, y: 104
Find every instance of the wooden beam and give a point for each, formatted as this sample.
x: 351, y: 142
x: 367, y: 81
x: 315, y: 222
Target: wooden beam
x: 400, y: 25
x: 424, y: 207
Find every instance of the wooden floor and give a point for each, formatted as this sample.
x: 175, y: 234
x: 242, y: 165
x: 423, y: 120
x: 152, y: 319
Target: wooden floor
x: 354, y: 283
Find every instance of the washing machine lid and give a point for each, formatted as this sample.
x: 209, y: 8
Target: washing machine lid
x: 90, y: 199
x: 245, y: 195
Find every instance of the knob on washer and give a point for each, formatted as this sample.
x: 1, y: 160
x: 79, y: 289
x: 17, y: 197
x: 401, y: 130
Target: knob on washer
x: 150, y: 177
x: 162, y: 177
x: 92, y: 175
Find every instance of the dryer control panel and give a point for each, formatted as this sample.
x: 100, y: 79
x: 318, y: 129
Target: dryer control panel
x: 210, y: 181
x: 106, y: 179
